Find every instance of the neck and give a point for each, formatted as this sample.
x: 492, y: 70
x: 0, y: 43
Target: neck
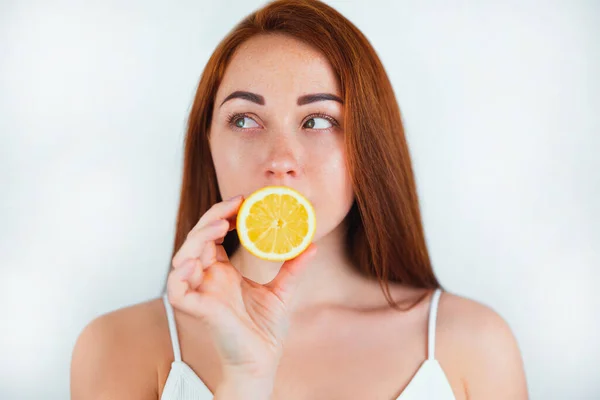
x: 329, y: 280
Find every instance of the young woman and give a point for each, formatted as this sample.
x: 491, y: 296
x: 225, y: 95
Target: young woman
x: 296, y: 96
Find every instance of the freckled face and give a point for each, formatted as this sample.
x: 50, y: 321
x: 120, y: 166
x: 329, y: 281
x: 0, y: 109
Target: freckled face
x: 272, y: 135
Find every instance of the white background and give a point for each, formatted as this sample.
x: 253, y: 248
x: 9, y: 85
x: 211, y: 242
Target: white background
x: 501, y: 102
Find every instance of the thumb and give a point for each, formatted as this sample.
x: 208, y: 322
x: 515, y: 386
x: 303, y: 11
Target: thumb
x: 284, y: 284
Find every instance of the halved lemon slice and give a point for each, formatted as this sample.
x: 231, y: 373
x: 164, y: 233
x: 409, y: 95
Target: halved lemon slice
x: 276, y: 223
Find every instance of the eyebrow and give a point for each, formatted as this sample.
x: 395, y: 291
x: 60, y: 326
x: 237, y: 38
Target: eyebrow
x: 302, y: 100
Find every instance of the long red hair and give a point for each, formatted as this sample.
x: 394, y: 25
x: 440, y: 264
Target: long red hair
x: 385, y: 234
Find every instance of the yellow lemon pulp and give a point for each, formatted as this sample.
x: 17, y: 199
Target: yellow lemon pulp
x: 276, y: 223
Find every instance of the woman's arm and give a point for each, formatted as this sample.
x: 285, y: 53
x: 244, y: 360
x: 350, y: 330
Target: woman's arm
x: 496, y: 367
x: 111, y: 360
x: 488, y: 353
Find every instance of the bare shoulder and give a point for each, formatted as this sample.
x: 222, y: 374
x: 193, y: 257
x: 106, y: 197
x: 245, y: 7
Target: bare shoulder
x: 469, y: 320
x: 117, y: 355
x: 479, y: 345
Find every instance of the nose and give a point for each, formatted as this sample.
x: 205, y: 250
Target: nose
x: 281, y: 169
x: 282, y: 161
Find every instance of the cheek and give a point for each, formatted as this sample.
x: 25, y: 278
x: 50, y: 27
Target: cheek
x: 333, y: 186
x: 333, y: 172
x: 228, y: 162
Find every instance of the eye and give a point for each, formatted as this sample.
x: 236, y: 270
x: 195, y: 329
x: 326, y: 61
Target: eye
x: 241, y: 121
x: 320, y: 122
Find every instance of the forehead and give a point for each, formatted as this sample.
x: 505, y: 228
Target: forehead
x: 276, y: 66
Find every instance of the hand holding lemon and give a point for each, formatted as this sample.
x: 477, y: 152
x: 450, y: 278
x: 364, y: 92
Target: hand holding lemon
x: 248, y: 321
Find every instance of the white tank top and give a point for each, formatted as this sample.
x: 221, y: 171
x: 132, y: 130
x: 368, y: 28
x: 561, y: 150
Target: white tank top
x: 429, y: 383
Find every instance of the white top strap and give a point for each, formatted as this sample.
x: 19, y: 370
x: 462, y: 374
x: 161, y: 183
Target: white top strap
x: 432, y: 319
x: 172, y: 328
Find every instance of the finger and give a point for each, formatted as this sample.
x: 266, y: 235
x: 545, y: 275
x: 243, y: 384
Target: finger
x: 209, y: 254
x: 197, y: 240
x: 196, y: 278
x: 189, y: 301
x: 284, y: 284
x: 222, y: 255
x: 192, y: 302
x: 233, y: 221
x: 212, y: 253
x: 224, y: 210
x: 177, y: 282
